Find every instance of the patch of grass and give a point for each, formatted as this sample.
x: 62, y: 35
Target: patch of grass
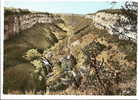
x: 36, y: 37
x: 129, y: 48
x: 99, y: 32
x: 18, y: 78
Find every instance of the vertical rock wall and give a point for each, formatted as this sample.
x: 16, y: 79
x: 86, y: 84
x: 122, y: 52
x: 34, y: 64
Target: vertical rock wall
x: 14, y: 24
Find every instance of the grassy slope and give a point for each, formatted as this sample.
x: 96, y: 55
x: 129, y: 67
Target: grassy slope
x: 41, y: 37
x: 38, y: 36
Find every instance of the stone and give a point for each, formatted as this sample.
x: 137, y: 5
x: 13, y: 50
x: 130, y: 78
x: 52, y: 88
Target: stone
x: 16, y: 23
x: 103, y: 20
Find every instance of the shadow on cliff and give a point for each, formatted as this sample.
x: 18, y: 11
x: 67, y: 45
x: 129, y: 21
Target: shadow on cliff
x: 40, y: 37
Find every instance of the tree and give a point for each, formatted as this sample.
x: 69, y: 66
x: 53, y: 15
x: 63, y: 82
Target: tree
x: 103, y: 79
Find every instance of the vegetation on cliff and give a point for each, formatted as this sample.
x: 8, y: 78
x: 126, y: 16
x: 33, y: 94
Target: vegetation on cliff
x: 72, y: 58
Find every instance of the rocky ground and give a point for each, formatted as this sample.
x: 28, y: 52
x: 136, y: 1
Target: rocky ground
x: 72, y: 58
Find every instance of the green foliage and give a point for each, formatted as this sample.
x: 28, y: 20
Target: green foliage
x: 15, y: 11
x: 94, y: 48
x: 129, y: 48
x: 32, y: 54
x: 66, y: 65
x: 39, y: 74
x: 37, y: 64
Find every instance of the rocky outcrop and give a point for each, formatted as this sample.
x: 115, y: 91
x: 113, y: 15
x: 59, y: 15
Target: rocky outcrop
x: 108, y: 21
x: 14, y: 24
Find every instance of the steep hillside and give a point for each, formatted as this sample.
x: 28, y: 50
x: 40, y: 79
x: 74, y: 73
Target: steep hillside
x: 116, y: 22
x: 74, y: 58
x: 40, y: 36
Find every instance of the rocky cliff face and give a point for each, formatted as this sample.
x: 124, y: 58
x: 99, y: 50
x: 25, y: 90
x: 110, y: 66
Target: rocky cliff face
x: 108, y: 21
x: 16, y: 23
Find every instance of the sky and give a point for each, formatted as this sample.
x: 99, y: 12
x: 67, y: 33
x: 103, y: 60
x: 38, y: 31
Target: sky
x: 81, y: 7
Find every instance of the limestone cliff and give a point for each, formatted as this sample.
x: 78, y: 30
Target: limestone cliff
x: 108, y: 21
x: 14, y: 23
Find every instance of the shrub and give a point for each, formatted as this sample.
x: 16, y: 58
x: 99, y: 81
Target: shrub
x: 32, y: 54
x: 94, y: 48
x: 37, y: 64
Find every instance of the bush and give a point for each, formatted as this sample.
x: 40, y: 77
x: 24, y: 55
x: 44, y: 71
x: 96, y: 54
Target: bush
x: 32, y: 54
x: 94, y: 48
x: 37, y: 64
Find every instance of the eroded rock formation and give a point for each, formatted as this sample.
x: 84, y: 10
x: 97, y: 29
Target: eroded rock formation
x: 108, y: 21
x: 13, y: 24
